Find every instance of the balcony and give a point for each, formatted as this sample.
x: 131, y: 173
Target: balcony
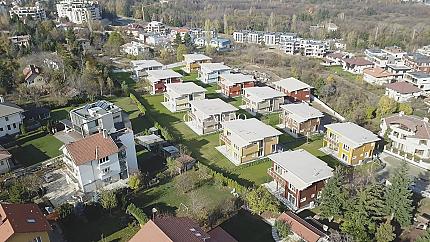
x: 276, y: 177
x: 225, y: 139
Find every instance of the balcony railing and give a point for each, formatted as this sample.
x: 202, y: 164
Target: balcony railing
x: 225, y: 139
x: 276, y: 176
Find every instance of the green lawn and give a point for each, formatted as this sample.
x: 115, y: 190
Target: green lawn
x: 337, y: 70
x: 119, y: 77
x: 123, y: 235
x: 61, y: 113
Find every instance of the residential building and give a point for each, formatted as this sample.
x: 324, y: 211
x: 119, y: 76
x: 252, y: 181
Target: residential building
x: 11, y: 118
x: 418, y: 79
x: 154, y: 39
x: 159, y: 78
x: 350, y: 143
x: 302, y: 229
x: 79, y: 11
x: 240, y: 36
x: 335, y: 58
x: 291, y: 47
x: 32, y: 75
x: 220, y: 44
x: 294, y: 89
x: 397, y: 70
x: 396, y: 52
x: 178, y: 95
x: 331, y: 27
x: 300, y: 119
x: 232, y: 85
x: 206, y: 115
x: 134, y: 48
x: 407, y: 134
x: 262, y: 99
x: 141, y: 66
x: 193, y: 61
x: 101, y: 115
x: 313, y: 48
x: 356, y: 65
x: 402, y: 91
x: 5, y: 160
x: 417, y: 61
x: 182, y: 31
x: 172, y: 229
x: 246, y: 140
x: 377, y: 76
x: 271, y: 39
x: 100, y: 159
x: 209, y: 72
x: 20, y: 40
x: 425, y: 50
x: 379, y: 57
x: 155, y: 27
x: 36, y: 12
x: 299, y: 177
x: 23, y: 222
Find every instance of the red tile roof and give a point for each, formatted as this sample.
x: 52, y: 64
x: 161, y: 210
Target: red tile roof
x: 377, y: 72
x: 300, y: 227
x: 403, y: 87
x: 358, y: 61
x: 90, y: 148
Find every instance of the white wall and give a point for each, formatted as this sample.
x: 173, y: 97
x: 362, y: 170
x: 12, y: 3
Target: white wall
x: 127, y: 140
x: 11, y: 119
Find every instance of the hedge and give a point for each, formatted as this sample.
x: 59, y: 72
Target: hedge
x: 225, y: 181
x: 140, y: 106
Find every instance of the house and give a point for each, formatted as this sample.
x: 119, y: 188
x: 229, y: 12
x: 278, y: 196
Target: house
x: 179, y: 95
x: 300, y: 119
x: 356, y: 65
x: 101, y: 159
x: 302, y: 229
x: 350, y: 143
x: 5, y: 160
x: 167, y: 228
x: 185, y: 163
x: 295, y: 90
x: 335, y: 58
x: 20, y: 40
x: 402, y: 91
x: 101, y: 115
x: 23, y: 222
x: 206, y: 115
x: 379, y: 58
x: 417, y: 61
x: 407, y: 134
x: 32, y: 75
x: 220, y: 44
x: 377, y: 75
x: 397, y: 70
x: 11, y: 118
x: 245, y: 140
x: 262, y: 99
x: 299, y: 177
x: 291, y: 47
x: 154, y: 39
x: 79, y: 12
x: 232, y: 85
x: 155, y: 27
x: 313, y: 48
x: 183, y: 31
x: 36, y: 12
x: 141, y: 66
x: 134, y: 48
x: 425, y: 50
x: 396, y: 52
x: 159, y: 78
x: 209, y: 72
x: 418, y: 79
x: 193, y: 61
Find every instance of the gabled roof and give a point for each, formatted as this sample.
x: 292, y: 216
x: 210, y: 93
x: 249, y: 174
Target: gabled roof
x: 156, y: 75
x: 302, y: 112
x: 377, y: 72
x: 302, y: 228
x: 291, y: 84
x: 417, y: 125
x: 303, y: 169
x: 91, y: 148
x: 232, y: 79
x: 403, y: 87
x: 8, y: 108
x: 184, y: 88
x: 190, y: 58
x: 352, y: 134
x: 209, y: 107
x: 357, y: 61
x: 212, y: 67
x: 260, y: 94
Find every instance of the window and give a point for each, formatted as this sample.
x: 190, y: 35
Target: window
x: 291, y: 187
x: 366, y: 154
x: 423, y: 142
x: 8, y: 127
x: 106, y: 170
x: 303, y: 200
x: 1, y: 129
x: 37, y: 239
x: 14, y: 125
x: 6, y: 118
x: 346, y: 147
x: 103, y: 160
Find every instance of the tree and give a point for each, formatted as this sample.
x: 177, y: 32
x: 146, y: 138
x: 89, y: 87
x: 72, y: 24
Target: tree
x: 398, y: 196
x: 385, y: 232
x: 108, y: 200
x: 260, y: 200
x: 424, y: 237
x: 188, y: 41
x: 333, y: 196
x: 110, y: 85
x: 178, y: 39
x: 137, y: 213
x: 124, y: 88
x: 283, y: 228
x: 65, y: 210
x: 114, y: 41
x: 18, y: 193
x: 173, y: 166
x: 386, y: 106
x: 134, y: 182
x: 23, y: 129
x: 180, y: 52
x: 405, y: 108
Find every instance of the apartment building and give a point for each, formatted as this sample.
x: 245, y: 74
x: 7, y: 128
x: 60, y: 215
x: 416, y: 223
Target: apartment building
x: 294, y: 89
x: 418, y: 79
x: 291, y: 47
x: 397, y: 70
x: 299, y: 177
x: 402, y: 91
x: 141, y: 66
x: 313, y: 48
x: 232, y: 85
x: 206, y: 115
x: 300, y: 119
x: 79, y: 11
x: 417, y: 61
x: 159, y: 78
x: 193, y: 61
x: 210, y: 72
x: 11, y: 118
x: 36, y: 12
x: 246, y: 140
x: 262, y: 99
x: 350, y: 143
x: 379, y: 57
x: 258, y: 37
x: 179, y: 95
x: 155, y: 27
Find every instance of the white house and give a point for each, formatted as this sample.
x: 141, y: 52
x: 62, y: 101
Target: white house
x: 11, y: 117
x: 209, y: 72
x: 155, y: 27
x: 262, y: 99
x: 5, y: 160
x: 402, y: 91
x: 178, y: 95
x: 141, y: 66
x: 419, y: 79
x: 134, y: 48
x: 377, y: 75
x: 356, y: 65
x: 79, y: 11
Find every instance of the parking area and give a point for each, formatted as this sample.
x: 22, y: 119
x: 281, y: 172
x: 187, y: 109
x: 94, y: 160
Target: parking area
x: 60, y: 188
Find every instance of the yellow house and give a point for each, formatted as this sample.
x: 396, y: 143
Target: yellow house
x: 246, y: 140
x: 22, y: 223
x: 193, y: 61
x: 350, y: 143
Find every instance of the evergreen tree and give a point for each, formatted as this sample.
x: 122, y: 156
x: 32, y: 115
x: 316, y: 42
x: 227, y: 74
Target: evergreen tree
x: 188, y: 41
x: 385, y: 232
x: 333, y: 197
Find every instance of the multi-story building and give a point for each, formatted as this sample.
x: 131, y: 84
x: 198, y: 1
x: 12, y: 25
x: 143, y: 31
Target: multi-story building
x: 246, y: 140
x: 396, y: 52
x: 425, y: 50
x: 141, y: 66
x: 210, y: 72
x: 378, y: 76
x: 313, y: 48
x: 295, y: 90
x: 159, y: 78
x: 300, y: 119
x: 193, y: 61
x: 232, y: 85
x: 417, y: 61
x: 179, y: 95
x: 402, y: 91
x: 155, y: 27
x: 356, y: 65
x: 350, y: 143
x: 23, y: 222
x: 100, y: 159
x: 397, y: 70
x: 262, y: 99
x: 11, y: 118
x: 299, y: 177
x: 258, y: 37
x: 418, y: 79
x: 291, y: 47
x: 134, y: 48
x: 79, y: 11
x: 407, y: 134
x: 20, y: 40
x: 36, y: 13
x: 101, y: 115
x: 206, y: 115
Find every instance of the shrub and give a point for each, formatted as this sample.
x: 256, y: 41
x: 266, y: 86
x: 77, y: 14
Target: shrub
x: 283, y: 228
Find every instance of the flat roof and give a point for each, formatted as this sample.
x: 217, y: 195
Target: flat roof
x: 419, y: 74
x: 353, y: 134
x: 292, y: 84
x: 259, y: 94
x: 190, y: 58
x: 183, y: 88
x: 146, y: 63
x: 211, y: 67
x: 100, y: 107
x: 302, y: 112
x: 209, y: 107
x: 232, y: 79
x: 398, y: 67
x: 302, y: 167
x: 155, y: 75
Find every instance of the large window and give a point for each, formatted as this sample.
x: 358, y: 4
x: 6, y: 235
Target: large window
x: 104, y: 160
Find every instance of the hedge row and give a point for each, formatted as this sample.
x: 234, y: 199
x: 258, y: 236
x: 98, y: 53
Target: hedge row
x: 140, y: 106
x: 225, y: 181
